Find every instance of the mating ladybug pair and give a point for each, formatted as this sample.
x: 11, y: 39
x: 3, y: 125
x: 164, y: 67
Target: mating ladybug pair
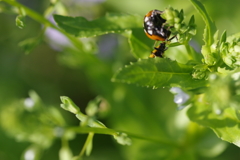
x: 155, y: 29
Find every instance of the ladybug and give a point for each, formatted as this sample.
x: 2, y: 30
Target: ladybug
x: 159, y: 51
x: 154, y: 26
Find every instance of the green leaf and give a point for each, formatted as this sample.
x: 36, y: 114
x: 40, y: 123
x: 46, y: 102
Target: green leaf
x: 205, y: 35
x: 215, y: 37
x: 69, y: 105
x: 209, y: 57
x: 139, y: 44
x: 232, y: 37
x: 225, y: 125
x: 191, y: 21
x: 218, y: 108
x: 158, y: 72
x: 210, y: 26
x: 29, y: 44
x: 223, y: 37
x: 20, y: 21
x: 123, y: 139
x: 181, y: 15
x: 111, y: 23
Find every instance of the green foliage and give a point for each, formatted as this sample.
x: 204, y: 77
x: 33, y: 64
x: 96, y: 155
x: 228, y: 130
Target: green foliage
x: 158, y: 73
x: 20, y: 21
x: 205, y: 85
x: 218, y: 108
x: 89, y: 120
x: 29, y: 44
x: 210, y: 26
x: 35, y: 130
x: 174, y: 19
x: 125, y: 24
x: 33, y: 122
x: 111, y: 23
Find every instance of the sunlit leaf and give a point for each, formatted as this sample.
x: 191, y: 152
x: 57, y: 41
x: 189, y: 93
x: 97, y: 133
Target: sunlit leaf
x: 69, y: 105
x: 130, y: 25
x: 210, y: 26
x: 225, y: 125
x: 218, y: 107
x: 111, y: 23
x: 158, y: 72
x: 20, y: 21
x: 122, y: 138
x: 223, y: 37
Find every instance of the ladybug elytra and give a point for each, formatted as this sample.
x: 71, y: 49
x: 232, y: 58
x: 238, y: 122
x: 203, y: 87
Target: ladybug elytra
x: 154, y: 26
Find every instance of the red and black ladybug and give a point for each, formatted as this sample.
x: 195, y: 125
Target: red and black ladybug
x: 154, y: 26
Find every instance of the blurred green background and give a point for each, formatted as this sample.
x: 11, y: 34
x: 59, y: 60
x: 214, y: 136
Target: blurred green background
x: 53, y: 69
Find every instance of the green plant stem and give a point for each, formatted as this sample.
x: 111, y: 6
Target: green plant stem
x: 88, y: 140
x: 95, y: 130
x: 39, y: 18
x: 112, y: 132
x: 64, y: 142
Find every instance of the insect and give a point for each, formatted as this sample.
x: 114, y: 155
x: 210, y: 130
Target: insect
x: 159, y: 50
x: 154, y: 26
x: 155, y: 29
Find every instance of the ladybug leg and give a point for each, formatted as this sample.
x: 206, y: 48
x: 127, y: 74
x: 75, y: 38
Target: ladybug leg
x: 157, y: 12
x: 168, y: 28
x: 175, y: 36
